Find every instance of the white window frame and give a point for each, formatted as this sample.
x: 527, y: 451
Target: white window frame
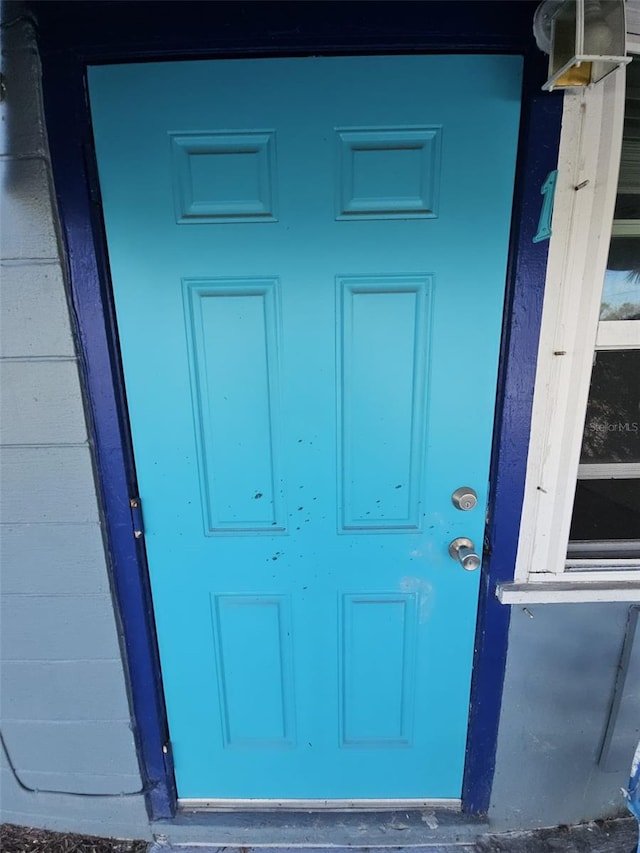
x: 588, y: 166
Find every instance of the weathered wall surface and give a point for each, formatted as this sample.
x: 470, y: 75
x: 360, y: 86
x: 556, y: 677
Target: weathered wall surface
x: 64, y: 707
x: 561, y: 675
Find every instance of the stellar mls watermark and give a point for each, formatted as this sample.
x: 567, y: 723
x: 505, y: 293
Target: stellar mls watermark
x: 615, y: 426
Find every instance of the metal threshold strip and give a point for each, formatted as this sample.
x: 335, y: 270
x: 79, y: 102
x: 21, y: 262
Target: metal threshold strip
x: 205, y: 804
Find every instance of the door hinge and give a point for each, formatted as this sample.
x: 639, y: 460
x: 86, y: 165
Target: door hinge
x: 136, y: 517
x: 167, y: 755
x: 92, y: 178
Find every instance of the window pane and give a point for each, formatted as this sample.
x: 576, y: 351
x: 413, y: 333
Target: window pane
x: 621, y: 294
x: 629, y: 179
x: 606, y: 512
x: 627, y: 206
x: 612, y: 424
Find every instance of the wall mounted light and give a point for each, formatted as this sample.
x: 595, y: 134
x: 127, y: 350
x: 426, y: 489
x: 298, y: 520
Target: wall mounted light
x: 585, y: 40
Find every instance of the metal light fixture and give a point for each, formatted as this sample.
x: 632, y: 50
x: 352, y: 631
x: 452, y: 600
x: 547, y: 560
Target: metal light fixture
x: 585, y: 40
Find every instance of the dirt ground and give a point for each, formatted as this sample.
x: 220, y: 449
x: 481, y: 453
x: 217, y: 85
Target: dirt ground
x: 614, y: 836
x: 18, y: 839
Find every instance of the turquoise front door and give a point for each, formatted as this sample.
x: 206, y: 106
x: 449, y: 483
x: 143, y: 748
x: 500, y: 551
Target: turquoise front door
x: 308, y: 261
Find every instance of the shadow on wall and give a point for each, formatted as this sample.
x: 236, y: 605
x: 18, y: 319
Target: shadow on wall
x: 28, y: 230
x: 22, y: 130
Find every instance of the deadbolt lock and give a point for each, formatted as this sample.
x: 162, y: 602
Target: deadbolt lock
x: 464, y: 498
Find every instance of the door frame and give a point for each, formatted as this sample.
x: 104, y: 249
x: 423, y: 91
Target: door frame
x: 102, y: 32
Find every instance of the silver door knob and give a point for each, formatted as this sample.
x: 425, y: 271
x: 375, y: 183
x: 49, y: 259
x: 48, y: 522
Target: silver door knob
x: 464, y: 551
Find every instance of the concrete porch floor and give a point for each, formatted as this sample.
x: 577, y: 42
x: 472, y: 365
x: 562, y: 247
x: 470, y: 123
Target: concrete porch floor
x: 398, y: 831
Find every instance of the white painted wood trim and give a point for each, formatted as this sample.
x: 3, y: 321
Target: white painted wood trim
x: 618, y: 334
x: 626, y: 227
x: 633, y: 42
x: 588, y: 166
x: 583, y: 571
x: 568, y: 592
x: 609, y: 471
x: 633, y: 25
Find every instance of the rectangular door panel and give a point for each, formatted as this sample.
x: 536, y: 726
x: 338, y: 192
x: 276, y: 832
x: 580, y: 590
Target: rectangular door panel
x: 383, y: 389
x: 262, y: 678
x: 378, y: 660
x: 233, y: 322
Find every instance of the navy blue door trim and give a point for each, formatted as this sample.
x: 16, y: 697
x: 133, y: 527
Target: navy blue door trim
x: 537, y: 156
x: 72, y: 36
x: 79, y: 211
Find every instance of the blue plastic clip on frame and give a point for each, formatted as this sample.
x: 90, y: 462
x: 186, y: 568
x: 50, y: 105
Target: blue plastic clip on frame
x: 633, y: 793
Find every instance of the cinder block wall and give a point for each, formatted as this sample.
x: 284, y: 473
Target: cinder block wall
x: 65, y: 714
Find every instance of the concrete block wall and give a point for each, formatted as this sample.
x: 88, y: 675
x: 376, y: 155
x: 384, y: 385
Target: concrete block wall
x: 66, y: 721
x: 563, y: 665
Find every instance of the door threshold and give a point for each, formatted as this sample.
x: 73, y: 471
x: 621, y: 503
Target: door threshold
x: 309, y: 805
x: 453, y: 836
x: 298, y: 827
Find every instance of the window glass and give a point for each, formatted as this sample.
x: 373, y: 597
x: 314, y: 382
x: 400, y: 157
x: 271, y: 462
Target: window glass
x: 612, y: 423
x: 607, y: 509
x: 621, y: 294
x: 627, y: 206
x: 629, y: 178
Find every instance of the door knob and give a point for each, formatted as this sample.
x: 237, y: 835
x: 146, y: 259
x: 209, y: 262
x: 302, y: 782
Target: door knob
x: 464, y: 551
